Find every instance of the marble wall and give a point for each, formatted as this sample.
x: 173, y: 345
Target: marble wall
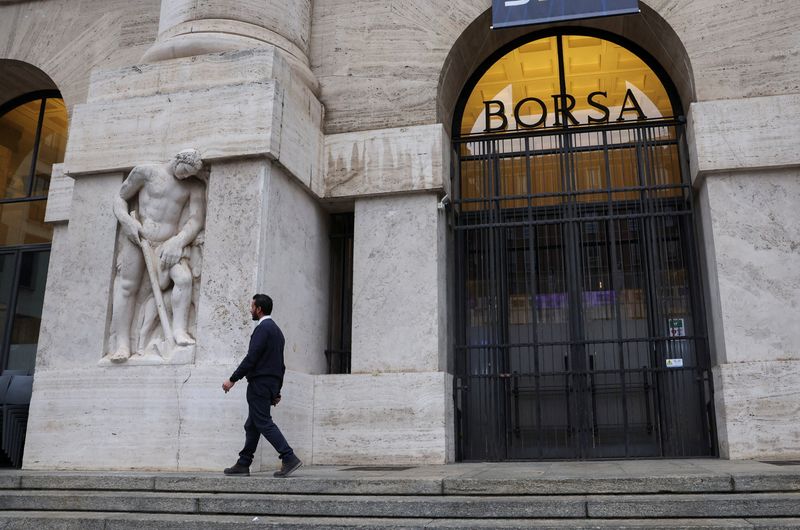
x: 376, y: 76
x: 68, y: 39
x: 397, y: 317
x: 758, y: 410
x: 751, y: 233
x: 375, y: 419
x: 755, y: 225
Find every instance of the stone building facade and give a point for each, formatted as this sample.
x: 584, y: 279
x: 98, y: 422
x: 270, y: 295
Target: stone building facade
x: 307, y: 110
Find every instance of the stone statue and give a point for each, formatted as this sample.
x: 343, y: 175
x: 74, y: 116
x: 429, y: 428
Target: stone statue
x: 161, y: 211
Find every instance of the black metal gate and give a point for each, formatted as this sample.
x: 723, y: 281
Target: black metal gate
x: 579, y: 320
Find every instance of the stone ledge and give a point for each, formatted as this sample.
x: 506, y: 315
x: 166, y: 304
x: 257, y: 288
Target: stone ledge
x: 226, y: 105
x: 739, y: 134
x: 387, y: 161
x: 758, y: 403
x: 59, y: 197
x: 709, y: 505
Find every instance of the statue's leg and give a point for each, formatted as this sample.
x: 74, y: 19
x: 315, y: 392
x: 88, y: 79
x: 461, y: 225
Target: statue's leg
x: 130, y: 266
x: 181, y: 301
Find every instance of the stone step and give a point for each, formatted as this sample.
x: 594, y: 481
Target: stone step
x: 136, y: 521
x: 526, y: 483
x: 736, y: 505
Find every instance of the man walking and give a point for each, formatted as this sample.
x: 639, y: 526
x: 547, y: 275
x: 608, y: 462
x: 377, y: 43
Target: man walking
x: 263, y: 367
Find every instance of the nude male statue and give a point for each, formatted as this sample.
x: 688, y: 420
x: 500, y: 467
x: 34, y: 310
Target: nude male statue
x: 170, y: 214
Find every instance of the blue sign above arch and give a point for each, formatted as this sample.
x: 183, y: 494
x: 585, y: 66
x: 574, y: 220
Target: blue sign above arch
x: 509, y: 13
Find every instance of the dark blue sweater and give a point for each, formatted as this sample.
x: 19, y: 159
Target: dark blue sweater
x: 264, y: 360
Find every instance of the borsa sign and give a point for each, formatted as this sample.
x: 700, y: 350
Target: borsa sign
x: 508, y: 13
x: 563, y: 105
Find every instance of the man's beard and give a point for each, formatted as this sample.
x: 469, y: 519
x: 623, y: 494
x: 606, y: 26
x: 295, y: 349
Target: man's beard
x: 254, y: 315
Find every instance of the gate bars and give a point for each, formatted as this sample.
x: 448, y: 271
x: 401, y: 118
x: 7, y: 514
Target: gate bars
x: 579, y: 323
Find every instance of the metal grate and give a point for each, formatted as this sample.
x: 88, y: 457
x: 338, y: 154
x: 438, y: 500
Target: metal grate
x: 579, y: 323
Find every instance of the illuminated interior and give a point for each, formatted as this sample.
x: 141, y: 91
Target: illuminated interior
x: 607, y: 84
x: 590, y: 65
x: 23, y: 179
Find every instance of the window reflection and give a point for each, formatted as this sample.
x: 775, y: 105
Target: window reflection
x: 22, y: 223
x: 17, y: 141
x: 32, y: 140
x: 28, y: 313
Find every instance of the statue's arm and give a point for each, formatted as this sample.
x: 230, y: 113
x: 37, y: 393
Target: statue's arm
x: 196, y: 218
x: 130, y: 188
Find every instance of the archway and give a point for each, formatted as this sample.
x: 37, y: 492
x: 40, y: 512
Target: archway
x: 579, y: 321
x: 33, y: 131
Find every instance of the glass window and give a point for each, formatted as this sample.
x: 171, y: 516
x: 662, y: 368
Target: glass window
x: 7, y: 270
x: 32, y: 139
x: 17, y: 141
x: 560, y: 84
x: 603, y: 83
x: 28, y: 311
x: 22, y: 223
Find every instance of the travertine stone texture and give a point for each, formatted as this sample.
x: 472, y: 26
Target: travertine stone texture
x: 387, y: 161
x: 263, y: 234
x: 75, y: 311
x: 398, y: 253
x: 708, y: 262
x: 284, y: 23
x: 367, y: 419
x: 294, y: 269
x: 753, y: 225
x: 146, y: 113
x: 737, y: 134
x: 68, y: 39
x: 153, y: 417
x: 759, y: 405
x: 387, y: 75
x: 59, y: 196
x: 294, y: 415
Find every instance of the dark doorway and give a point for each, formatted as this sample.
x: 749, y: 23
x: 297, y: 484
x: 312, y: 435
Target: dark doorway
x: 580, y: 326
x: 579, y: 322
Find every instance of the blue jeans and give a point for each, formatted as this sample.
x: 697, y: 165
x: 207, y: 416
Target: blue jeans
x: 259, y: 421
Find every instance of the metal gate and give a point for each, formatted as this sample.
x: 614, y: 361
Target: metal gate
x: 579, y: 318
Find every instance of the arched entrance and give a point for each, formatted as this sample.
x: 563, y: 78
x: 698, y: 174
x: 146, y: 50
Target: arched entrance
x: 33, y: 132
x: 579, y: 322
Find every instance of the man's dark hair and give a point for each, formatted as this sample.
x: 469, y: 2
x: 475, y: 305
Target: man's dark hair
x: 264, y: 302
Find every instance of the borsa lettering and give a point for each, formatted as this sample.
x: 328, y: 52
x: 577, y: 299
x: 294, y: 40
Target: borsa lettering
x: 563, y: 104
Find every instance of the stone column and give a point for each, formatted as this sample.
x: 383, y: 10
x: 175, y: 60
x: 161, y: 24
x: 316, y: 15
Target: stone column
x: 189, y: 28
x: 746, y: 166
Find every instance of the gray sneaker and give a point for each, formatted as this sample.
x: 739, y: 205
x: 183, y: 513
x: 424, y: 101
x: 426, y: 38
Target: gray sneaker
x: 288, y: 467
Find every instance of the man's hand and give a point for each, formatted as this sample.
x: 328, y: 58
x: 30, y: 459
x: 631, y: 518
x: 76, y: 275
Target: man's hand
x: 276, y: 400
x: 227, y: 385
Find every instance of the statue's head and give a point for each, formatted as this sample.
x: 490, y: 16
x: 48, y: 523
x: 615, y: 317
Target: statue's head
x: 187, y: 163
